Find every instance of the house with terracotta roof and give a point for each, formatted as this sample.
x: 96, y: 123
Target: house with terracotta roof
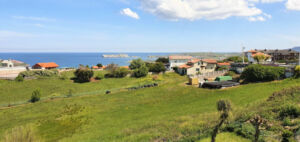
x: 197, y: 66
x: 252, y: 53
x: 178, y: 60
x: 50, y: 65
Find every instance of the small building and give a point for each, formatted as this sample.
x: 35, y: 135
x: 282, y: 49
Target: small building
x: 238, y: 67
x: 50, y: 65
x: 176, y: 60
x: 252, y: 53
x: 7, y: 63
x: 197, y: 66
x: 281, y: 55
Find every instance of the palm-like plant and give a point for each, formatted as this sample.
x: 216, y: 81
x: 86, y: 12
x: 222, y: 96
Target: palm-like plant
x: 224, y: 108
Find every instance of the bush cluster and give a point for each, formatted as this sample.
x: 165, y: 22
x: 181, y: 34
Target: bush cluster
x: 156, y: 67
x: 140, y: 72
x: 297, y: 71
x: 143, y: 86
x: 83, y: 74
x: 257, y: 73
x: 118, y: 72
x: 39, y: 73
x: 99, y: 76
x: 36, y: 96
x: 19, y: 78
x: 289, y: 111
x: 236, y: 59
x: 285, y: 92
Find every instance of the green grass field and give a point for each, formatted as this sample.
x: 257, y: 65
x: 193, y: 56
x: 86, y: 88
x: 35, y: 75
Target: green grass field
x: 173, y: 111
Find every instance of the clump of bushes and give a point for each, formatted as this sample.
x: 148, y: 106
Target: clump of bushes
x: 140, y: 72
x: 39, y: 73
x: 291, y: 111
x: 297, y: 71
x: 156, y: 67
x: 118, y: 72
x: 257, y: 73
x: 36, y: 96
x: 83, y: 74
x: 285, y: 92
x: 63, y: 77
x: 230, y: 73
x: 19, y: 78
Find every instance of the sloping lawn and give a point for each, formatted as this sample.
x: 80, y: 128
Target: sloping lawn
x: 172, y: 111
x: 227, y: 137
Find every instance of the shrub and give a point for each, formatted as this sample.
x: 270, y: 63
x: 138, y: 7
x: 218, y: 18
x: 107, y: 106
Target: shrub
x: 162, y: 60
x: 36, y: 96
x: 297, y: 71
x: 21, y: 134
x: 221, y: 68
x: 140, y: 72
x: 246, y: 130
x: 256, y: 73
x: 99, y: 76
x: 289, y: 111
x: 286, y: 135
x: 111, y: 67
x: 156, y: 67
x: 137, y: 63
x: 118, y: 73
x: 19, y: 78
x: 83, y: 74
x: 39, y: 73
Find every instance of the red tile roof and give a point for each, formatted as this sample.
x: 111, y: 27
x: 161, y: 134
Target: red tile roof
x: 185, y: 66
x: 126, y: 67
x: 211, y: 61
x: 47, y: 65
x: 259, y: 53
x: 95, y: 67
x: 252, y: 51
x: 194, y: 60
x: 224, y: 64
x: 177, y: 57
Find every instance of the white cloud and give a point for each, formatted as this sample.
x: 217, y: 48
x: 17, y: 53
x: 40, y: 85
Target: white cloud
x: 130, y: 13
x: 42, y: 19
x: 259, y: 18
x: 271, y: 1
x: 200, y: 9
x: 293, y: 4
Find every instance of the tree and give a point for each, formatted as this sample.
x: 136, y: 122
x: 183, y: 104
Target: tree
x: 119, y: 72
x: 36, y: 96
x: 156, y: 67
x: 83, y: 74
x: 137, y: 63
x: 261, y: 57
x: 99, y: 65
x: 162, y: 60
x: 257, y: 121
x: 140, y: 72
x: 224, y: 108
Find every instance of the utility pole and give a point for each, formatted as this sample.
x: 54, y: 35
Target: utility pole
x: 243, y: 48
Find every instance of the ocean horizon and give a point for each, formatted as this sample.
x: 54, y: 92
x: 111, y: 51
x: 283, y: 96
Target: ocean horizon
x: 74, y: 59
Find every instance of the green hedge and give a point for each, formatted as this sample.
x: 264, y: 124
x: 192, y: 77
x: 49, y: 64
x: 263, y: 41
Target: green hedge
x: 257, y: 73
x: 39, y: 73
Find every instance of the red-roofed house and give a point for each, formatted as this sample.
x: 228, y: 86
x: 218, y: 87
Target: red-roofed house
x: 50, y: 65
x: 197, y: 66
x: 250, y: 55
x: 177, y: 60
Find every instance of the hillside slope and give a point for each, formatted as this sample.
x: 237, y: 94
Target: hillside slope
x: 172, y: 111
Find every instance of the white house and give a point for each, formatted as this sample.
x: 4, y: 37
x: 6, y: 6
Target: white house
x: 7, y: 63
x: 197, y: 66
x: 250, y: 55
x: 176, y: 61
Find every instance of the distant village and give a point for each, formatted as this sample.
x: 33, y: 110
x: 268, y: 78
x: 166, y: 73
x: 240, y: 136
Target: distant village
x: 197, y: 69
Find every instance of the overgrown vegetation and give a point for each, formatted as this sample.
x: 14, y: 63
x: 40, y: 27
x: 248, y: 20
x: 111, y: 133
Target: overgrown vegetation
x: 260, y: 73
x: 21, y: 134
x: 297, y: 71
x: 117, y: 72
x: 36, y: 96
x: 39, y: 73
x: 83, y: 74
x: 236, y: 59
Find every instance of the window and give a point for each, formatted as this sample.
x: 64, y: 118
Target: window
x: 197, y: 69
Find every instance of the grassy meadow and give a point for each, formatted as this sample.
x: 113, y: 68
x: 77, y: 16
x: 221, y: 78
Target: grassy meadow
x: 172, y: 111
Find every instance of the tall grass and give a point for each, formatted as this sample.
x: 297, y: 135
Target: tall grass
x: 21, y: 134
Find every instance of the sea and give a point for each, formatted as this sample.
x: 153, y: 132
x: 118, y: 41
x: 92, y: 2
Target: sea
x: 67, y: 60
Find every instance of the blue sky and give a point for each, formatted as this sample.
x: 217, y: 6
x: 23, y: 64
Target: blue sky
x: 148, y: 25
